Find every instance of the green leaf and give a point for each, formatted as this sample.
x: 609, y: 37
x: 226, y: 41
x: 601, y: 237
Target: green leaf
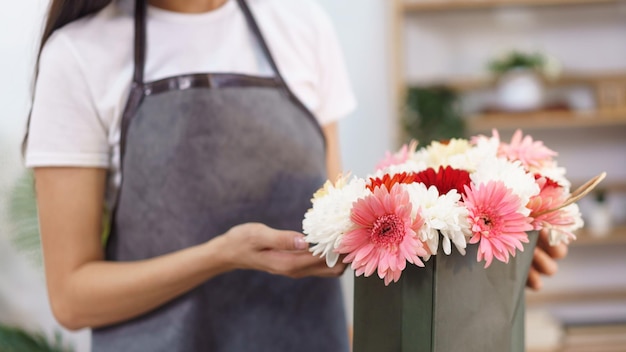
x: 432, y: 114
x: 517, y: 60
x: 23, y: 218
x: 24, y: 222
x: 13, y: 339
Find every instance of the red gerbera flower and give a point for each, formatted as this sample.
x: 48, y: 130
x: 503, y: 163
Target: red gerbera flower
x: 446, y: 179
x: 389, y: 180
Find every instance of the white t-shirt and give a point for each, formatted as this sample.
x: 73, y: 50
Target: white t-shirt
x: 86, y: 68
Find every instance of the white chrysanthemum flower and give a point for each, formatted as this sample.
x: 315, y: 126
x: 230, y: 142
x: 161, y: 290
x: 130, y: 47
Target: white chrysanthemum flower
x: 440, y: 154
x: 421, y: 157
x: 565, y: 233
x: 512, y: 174
x: 483, y: 148
x: 443, y: 215
x: 408, y: 167
x: 329, y: 218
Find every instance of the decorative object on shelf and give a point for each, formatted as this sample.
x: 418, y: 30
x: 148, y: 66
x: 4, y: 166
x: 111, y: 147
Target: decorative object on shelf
x: 485, y: 198
x: 432, y: 113
x: 611, y: 93
x: 600, y: 220
x: 520, y: 87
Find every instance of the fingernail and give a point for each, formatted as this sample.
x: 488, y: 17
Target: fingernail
x: 300, y: 243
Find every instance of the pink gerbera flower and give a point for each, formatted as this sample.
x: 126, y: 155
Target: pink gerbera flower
x: 384, y: 236
x: 495, y: 221
x: 398, y: 158
x: 551, y: 196
x: 532, y: 154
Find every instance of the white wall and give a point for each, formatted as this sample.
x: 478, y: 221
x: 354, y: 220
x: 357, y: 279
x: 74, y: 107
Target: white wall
x: 584, y: 38
x: 363, y: 30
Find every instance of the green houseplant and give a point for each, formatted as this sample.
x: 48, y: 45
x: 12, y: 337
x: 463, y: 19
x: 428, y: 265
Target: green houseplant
x: 24, y: 229
x: 13, y: 339
x: 432, y: 113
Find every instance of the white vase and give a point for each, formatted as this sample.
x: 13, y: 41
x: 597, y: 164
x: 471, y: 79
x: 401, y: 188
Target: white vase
x: 600, y: 221
x: 520, y: 91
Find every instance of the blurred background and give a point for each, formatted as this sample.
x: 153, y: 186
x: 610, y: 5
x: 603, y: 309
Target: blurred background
x: 428, y: 69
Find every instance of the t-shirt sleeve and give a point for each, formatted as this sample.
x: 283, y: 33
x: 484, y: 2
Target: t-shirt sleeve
x: 65, y: 129
x: 334, y: 89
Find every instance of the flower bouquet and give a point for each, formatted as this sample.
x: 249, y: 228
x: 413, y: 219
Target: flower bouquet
x: 464, y: 215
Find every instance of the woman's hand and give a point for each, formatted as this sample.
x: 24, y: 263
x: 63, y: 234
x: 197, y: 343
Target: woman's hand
x: 259, y: 247
x: 544, y: 260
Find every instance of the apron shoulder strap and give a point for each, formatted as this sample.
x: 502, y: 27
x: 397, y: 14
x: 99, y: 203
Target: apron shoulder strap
x: 259, y: 37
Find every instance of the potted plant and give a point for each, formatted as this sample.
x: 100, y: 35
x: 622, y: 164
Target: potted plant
x: 520, y: 79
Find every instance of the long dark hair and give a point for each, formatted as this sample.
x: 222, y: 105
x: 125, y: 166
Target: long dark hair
x: 60, y: 13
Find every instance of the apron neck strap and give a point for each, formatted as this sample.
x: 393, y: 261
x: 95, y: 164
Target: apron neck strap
x: 140, y: 40
x: 259, y: 37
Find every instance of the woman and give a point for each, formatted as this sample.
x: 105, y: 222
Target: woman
x: 218, y: 170
x: 217, y: 167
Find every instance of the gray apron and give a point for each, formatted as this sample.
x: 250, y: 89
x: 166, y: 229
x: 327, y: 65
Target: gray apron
x: 200, y: 154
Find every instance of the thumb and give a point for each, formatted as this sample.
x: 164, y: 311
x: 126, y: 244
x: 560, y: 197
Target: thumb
x: 286, y: 240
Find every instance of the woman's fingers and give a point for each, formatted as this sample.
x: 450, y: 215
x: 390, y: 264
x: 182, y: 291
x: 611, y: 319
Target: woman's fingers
x: 300, y: 264
x: 319, y: 268
x: 544, y: 260
x: 534, y: 279
x: 262, y: 237
x: 285, y: 241
x: 281, y: 252
x: 557, y: 252
x: 543, y: 263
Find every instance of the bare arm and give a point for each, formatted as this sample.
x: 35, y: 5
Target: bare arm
x: 333, y: 156
x: 87, y: 291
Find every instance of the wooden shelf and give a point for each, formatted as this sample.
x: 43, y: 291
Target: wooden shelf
x: 452, y: 5
x: 567, y: 297
x: 545, y: 120
x: 473, y: 83
x: 594, y: 337
x: 585, y: 238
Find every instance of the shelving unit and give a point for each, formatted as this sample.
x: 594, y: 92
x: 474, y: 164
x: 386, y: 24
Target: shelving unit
x: 554, y: 120
x: 464, y: 84
x: 452, y: 5
x: 535, y: 299
x: 546, y: 120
